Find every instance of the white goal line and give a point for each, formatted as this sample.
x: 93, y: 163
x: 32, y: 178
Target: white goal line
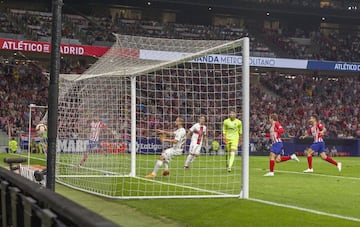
x: 26, y: 156
x: 306, y: 210
x: 315, y: 174
x: 184, y: 186
x: 219, y: 195
x: 92, y: 176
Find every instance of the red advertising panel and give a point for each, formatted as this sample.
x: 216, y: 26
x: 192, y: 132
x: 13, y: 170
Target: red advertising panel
x: 45, y: 47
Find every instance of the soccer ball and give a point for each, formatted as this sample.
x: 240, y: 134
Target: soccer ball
x: 166, y: 172
x: 41, y: 128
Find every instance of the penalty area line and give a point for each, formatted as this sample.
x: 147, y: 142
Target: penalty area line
x: 306, y: 210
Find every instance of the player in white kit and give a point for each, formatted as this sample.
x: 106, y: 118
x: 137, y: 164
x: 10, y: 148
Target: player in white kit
x: 198, y: 132
x: 178, y: 141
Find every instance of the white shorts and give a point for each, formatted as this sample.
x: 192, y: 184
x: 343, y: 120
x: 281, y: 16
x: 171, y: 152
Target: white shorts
x: 195, y: 149
x: 169, y: 153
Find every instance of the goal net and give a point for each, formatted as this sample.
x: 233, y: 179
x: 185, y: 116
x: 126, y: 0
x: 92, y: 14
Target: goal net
x: 109, y: 118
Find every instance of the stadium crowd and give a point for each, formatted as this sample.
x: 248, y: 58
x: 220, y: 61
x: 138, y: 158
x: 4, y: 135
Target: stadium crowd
x: 335, y: 4
x: 24, y: 83
x: 101, y: 32
x: 188, y: 93
x: 313, y: 44
x: 159, y: 102
x: 337, y: 47
x: 21, y: 84
x: 294, y: 41
x: 293, y: 97
x: 334, y: 99
x: 36, y: 24
x: 284, y: 40
x: 6, y: 25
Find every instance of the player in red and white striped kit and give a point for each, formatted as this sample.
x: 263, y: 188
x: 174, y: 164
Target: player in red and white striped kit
x: 96, y: 127
x: 198, y: 132
x: 277, y: 146
x: 317, y: 130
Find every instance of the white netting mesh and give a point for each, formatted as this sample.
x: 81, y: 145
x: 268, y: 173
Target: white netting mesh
x: 169, y: 84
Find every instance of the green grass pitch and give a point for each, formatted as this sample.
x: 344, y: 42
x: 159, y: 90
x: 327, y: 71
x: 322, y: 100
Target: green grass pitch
x: 193, y: 181
x: 327, y: 190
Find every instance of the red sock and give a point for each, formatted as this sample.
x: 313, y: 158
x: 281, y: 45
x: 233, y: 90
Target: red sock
x: 328, y: 159
x: 309, y: 158
x: 285, y: 158
x: 272, y: 164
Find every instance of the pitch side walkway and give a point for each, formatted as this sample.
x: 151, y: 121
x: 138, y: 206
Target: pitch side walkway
x: 114, y: 210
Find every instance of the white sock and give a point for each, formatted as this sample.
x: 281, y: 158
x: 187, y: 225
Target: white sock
x: 192, y: 159
x: 188, y: 160
x: 158, y: 164
x: 166, y: 164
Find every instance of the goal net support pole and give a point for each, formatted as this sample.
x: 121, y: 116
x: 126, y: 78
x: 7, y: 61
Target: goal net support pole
x: 244, y: 194
x: 133, y: 126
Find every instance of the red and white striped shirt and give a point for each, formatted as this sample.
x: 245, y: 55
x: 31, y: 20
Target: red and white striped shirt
x: 275, y: 132
x: 95, y: 129
x: 315, y: 131
x: 198, y: 133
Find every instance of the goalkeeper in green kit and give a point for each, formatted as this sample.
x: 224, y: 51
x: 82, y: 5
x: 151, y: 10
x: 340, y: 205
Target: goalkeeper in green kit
x: 232, y: 136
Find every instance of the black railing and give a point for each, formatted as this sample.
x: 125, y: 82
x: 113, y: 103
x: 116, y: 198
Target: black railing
x: 26, y: 203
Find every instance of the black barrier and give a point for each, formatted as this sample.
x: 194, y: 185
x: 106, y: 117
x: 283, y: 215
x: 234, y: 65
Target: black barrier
x: 25, y: 203
x: 12, y: 161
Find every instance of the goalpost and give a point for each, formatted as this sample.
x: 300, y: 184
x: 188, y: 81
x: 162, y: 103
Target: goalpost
x: 139, y: 86
x: 38, y: 139
x: 42, y: 121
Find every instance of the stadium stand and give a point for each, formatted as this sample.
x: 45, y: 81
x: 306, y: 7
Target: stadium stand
x: 293, y: 95
x: 335, y: 4
x: 21, y: 84
x: 325, y: 96
x: 295, y: 41
x: 98, y: 30
x: 6, y: 25
x: 37, y: 25
x: 331, y: 97
x: 304, y: 91
x: 100, y: 33
x: 295, y: 45
x: 300, y: 44
x: 340, y: 46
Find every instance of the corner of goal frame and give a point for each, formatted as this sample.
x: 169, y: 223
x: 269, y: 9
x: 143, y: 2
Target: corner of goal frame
x: 242, y: 196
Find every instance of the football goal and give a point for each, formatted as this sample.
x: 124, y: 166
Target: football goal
x: 110, y: 118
